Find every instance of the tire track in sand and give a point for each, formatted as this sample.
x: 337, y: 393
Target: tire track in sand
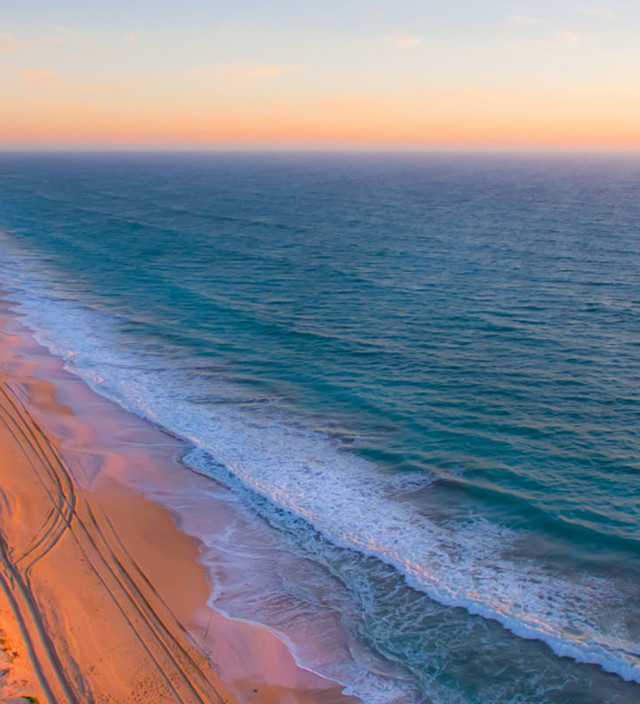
x: 180, y: 668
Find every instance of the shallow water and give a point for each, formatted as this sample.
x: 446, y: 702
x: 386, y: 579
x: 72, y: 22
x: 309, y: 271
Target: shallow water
x: 420, y: 371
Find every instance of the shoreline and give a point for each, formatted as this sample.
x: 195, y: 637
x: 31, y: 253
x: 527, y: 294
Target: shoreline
x: 113, y: 594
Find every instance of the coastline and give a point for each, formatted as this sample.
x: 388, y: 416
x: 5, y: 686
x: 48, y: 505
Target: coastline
x: 412, y: 502
x: 110, y: 595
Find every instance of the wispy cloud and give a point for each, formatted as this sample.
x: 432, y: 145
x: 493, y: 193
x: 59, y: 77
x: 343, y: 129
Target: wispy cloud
x: 42, y: 79
x: 569, y: 37
x: 53, y: 79
x: 600, y: 11
x: 241, y: 71
x: 66, y: 30
x: 9, y: 44
x: 402, y: 41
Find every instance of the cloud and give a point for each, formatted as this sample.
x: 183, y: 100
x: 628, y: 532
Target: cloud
x: 8, y: 44
x: 569, y: 37
x: 66, y: 30
x: 600, y: 11
x: 241, y: 71
x: 402, y: 41
x: 43, y: 79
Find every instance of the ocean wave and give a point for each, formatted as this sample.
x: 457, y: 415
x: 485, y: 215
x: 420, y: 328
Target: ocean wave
x: 350, y: 501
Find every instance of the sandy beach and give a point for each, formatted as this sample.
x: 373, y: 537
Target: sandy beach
x: 103, y: 597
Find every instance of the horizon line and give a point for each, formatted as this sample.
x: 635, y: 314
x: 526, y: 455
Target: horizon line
x: 164, y: 149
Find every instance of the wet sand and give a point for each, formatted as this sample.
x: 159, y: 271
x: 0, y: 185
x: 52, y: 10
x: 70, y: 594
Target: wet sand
x: 103, y: 598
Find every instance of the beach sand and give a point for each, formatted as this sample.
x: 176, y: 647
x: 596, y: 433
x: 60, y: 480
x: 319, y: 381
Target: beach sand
x: 103, y: 597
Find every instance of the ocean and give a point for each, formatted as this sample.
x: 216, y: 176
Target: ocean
x: 418, y: 375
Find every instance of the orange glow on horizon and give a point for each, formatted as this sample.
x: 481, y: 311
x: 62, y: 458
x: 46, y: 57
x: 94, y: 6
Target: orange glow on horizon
x: 322, y: 76
x: 82, y: 127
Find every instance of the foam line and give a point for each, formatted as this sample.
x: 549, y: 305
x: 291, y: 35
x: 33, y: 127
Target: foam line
x: 349, y: 500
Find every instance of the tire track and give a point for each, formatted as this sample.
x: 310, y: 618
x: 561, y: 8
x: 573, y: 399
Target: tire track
x: 177, y: 662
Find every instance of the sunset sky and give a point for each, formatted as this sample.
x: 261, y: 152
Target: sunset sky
x: 398, y: 74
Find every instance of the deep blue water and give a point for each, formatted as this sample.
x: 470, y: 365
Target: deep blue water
x: 421, y: 371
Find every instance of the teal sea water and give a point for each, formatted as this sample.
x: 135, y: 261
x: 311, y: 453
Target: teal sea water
x: 418, y: 374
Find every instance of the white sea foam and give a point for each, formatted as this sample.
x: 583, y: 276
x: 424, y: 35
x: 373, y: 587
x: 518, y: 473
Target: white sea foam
x: 347, y: 499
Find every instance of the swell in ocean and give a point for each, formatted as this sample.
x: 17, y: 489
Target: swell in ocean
x: 354, y: 518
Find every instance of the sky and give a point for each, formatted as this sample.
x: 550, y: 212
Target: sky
x: 330, y: 74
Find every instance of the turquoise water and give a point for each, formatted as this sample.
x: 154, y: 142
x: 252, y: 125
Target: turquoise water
x: 420, y: 371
